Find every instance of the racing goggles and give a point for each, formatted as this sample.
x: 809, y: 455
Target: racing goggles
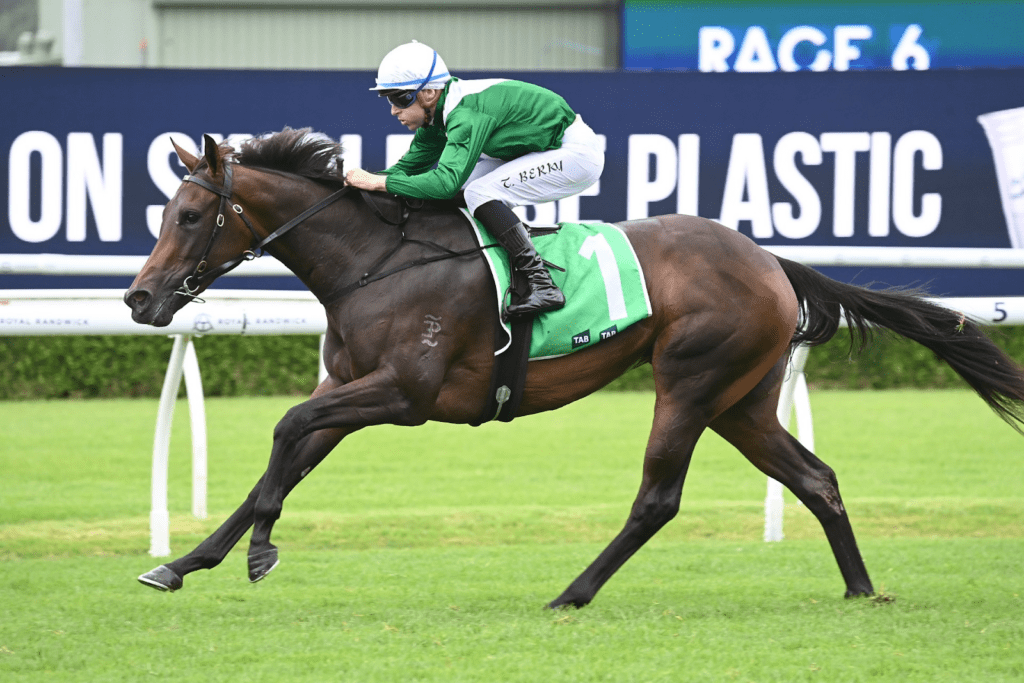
x: 402, y: 99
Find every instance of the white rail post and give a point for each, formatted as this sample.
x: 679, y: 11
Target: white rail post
x: 197, y: 418
x: 794, y: 390
x: 159, y: 516
x: 321, y: 372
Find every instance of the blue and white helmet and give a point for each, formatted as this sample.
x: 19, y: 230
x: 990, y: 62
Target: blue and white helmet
x: 412, y: 66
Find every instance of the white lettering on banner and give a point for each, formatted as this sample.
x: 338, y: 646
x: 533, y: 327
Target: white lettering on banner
x: 803, y: 34
x: 51, y: 207
x: 656, y: 168
x: 716, y: 45
x: 903, y: 157
x: 747, y: 176
x: 846, y: 51
x: 845, y: 147
x: 98, y: 184
x: 352, y: 150
x: 55, y: 183
x: 796, y: 184
x: 909, y: 49
x: 673, y: 171
x: 642, y: 188
x: 395, y: 146
x: 879, y: 177
x: 688, y: 187
x: 755, y: 54
x: 90, y: 183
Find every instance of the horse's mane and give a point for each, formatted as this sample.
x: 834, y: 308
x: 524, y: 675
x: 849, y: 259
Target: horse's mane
x: 299, y: 151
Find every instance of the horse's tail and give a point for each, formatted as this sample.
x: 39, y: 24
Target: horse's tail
x: 950, y: 335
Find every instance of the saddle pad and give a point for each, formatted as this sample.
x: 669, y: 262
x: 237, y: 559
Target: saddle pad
x: 604, y: 286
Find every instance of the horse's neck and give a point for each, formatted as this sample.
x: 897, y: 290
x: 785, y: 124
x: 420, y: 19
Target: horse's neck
x: 334, y: 247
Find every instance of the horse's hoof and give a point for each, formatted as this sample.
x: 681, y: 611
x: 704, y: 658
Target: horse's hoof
x: 565, y: 602
x: 162, y: 578
x: 262, y: 564
x: 859, y: 593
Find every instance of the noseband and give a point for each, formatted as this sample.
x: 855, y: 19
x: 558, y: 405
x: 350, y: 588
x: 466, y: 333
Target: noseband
x: 201, y: 274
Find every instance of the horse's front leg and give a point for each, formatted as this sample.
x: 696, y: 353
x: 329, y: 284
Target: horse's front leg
x: 211, y: 552
x: 376, y: 398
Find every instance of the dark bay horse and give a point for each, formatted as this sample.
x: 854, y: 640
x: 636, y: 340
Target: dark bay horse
x: 726, y: 314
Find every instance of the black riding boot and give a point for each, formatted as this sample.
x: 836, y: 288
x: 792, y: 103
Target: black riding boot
x: 512, y: 236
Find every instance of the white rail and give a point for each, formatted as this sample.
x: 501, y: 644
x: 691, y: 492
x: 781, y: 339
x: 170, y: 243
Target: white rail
x: 882, y: 257
x: 97, y: 311
x: 902, y: 257
x: 26, y: 312
x: 71, y: 264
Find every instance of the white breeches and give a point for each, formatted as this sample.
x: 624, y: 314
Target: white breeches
x: 539, y: 177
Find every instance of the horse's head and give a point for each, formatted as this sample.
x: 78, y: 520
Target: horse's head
x: 202, y: 230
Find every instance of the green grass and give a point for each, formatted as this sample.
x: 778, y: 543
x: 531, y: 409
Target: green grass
x: 427, y: 553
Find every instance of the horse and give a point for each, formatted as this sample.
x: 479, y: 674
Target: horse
x: 726, y: 315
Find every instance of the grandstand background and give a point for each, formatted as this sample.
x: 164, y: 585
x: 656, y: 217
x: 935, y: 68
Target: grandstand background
x: 312, y: 34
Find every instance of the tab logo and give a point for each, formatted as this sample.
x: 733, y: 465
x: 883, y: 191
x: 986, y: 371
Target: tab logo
x: 581, y: 339
x: 610, y: 332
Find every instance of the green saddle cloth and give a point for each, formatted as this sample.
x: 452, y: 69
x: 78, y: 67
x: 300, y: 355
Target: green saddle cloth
x: 604, y: 286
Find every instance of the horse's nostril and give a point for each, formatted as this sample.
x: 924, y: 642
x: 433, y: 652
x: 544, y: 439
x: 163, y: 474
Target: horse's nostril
x: 136, y: 299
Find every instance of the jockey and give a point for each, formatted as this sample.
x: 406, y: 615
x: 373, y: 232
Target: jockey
x: 504, y: 143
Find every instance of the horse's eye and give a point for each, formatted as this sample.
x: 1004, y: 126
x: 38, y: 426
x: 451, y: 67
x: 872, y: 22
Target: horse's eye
x: 188, y: 218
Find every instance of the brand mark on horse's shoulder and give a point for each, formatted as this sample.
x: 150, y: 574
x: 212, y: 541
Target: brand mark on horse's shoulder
x: 433, y: 324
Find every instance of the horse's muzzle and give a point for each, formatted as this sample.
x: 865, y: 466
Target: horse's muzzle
x: 141, y: 302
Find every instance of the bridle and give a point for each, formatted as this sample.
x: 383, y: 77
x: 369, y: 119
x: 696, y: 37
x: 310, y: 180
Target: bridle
x: 200, y: 274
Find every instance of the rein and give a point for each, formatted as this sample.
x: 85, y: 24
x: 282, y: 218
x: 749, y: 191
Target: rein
x: 201, y: 273
x: 372, y: 275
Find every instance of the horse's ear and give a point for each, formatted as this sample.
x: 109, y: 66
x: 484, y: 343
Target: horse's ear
x: 189, y: 160
x: 212, y: 154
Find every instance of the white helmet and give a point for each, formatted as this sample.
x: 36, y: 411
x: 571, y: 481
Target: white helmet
x: 413, y: 66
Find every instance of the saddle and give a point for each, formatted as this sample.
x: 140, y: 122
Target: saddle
x: 604, y: 287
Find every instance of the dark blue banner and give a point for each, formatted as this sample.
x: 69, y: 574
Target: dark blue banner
x: 932, y: 158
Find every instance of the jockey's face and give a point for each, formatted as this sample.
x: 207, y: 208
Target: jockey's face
x: 412, y: 117
x: 420, y: 113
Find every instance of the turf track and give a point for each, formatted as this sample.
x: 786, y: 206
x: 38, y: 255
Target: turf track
x: 427, y: 553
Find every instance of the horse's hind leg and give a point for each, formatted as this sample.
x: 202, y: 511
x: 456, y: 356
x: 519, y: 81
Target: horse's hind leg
x: 751, y: 425
x: 212, y: 551
x: 677, y: 427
